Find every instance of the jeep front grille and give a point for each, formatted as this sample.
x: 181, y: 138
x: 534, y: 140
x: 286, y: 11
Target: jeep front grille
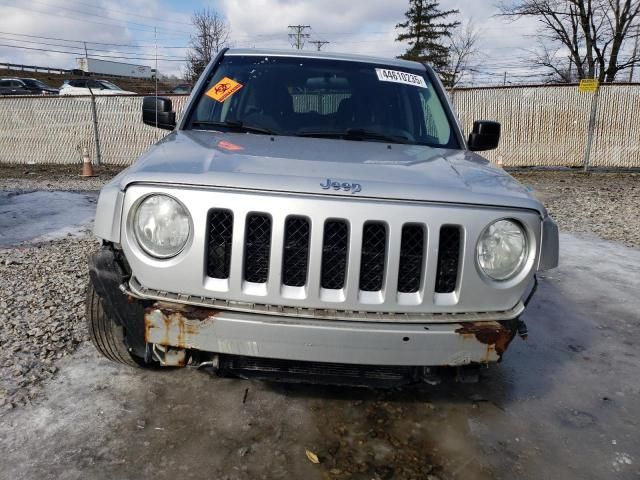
x: 336, y: 258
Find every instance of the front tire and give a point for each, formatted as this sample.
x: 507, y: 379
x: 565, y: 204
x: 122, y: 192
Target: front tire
x: 106, y: 334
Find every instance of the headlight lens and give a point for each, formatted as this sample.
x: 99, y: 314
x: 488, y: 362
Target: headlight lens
x: 162, y: 226
x: 502, y: 250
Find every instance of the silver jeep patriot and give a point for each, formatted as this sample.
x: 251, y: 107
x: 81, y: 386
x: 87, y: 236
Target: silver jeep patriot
x: 315, y: 217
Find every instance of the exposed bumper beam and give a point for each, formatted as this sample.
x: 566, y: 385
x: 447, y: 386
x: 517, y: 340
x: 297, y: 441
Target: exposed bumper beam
x: 300, y: 339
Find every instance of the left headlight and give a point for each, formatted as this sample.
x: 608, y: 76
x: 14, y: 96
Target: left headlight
x: 161, y: 226
x: 502, y: 250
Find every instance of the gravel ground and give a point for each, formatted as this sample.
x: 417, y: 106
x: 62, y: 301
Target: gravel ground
x: 603, y: 204
x: 53, y: 177
x: 41, y: 314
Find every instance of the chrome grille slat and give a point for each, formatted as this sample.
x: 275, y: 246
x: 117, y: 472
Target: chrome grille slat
x: 392, y: 263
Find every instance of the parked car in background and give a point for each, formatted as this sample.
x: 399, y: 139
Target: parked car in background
x: 181, y: 88
x: 84, y: 86
x: 25, y: 86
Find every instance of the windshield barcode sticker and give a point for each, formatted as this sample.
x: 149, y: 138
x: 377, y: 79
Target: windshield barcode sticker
x: 395, y: 76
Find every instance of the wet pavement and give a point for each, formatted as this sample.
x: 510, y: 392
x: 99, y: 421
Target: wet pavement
x: 564, y: 404
x: 32, y: 216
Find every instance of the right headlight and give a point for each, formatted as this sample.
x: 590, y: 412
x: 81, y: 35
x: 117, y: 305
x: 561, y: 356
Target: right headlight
x: 502, y: 250
x: 162, y: 226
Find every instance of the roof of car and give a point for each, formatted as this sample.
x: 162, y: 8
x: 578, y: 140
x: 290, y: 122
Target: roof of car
x: 396, y: 62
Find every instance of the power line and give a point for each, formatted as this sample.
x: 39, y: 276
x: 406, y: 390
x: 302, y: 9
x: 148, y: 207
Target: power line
x: 298, y: 36
x: 90, y: 43
x: 76, y: 53
x: 81, y: 49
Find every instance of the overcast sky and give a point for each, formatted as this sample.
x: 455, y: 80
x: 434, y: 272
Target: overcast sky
x: 366, y: 27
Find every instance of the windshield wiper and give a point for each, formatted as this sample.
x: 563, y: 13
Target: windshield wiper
x: 235, y: 125
x: 354, y: 134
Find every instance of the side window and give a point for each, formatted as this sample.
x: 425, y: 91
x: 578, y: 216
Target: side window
x: 17, y: 84
x: 435, y: 118
x: 5, y: 83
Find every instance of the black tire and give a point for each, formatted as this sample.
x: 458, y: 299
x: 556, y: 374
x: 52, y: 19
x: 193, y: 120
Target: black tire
x: 105, y: 333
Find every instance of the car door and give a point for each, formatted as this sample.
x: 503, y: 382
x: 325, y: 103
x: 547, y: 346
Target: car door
x: 19, y: 88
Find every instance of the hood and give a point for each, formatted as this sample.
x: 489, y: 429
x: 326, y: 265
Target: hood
x: 306, y: 165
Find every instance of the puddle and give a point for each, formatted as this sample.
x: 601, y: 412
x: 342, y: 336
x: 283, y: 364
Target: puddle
x: 41, y: 216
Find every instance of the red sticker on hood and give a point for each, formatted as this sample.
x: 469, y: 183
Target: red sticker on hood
x: 232, y: 147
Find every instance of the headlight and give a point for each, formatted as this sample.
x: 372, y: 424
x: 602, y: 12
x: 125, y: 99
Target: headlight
x: 502, y: 250
x: 161, y: 226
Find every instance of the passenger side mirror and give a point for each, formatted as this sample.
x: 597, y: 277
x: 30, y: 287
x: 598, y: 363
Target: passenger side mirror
x: 485, y: 136
x: 159, y: 108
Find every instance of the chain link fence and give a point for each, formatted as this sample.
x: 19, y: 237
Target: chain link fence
x: 542, y: 126
x: 549, y: 126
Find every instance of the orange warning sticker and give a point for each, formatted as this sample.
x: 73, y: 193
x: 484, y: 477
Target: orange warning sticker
x: 224, y: 89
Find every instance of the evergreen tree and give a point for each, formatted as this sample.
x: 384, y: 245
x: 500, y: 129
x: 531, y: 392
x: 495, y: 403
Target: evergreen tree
x: 425, y: 29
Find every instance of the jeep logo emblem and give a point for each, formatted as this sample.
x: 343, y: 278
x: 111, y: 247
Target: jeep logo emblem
x: 345, y: 186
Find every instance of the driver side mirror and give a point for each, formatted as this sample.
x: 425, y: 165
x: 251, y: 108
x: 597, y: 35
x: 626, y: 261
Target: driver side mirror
x: 485, y: 136
x: 159, y: 108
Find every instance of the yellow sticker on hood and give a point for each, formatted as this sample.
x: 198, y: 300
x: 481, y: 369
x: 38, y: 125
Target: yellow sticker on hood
x: 223, y: 89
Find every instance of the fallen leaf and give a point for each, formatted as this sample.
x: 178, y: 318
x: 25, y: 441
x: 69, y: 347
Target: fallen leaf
x: 313, y: 458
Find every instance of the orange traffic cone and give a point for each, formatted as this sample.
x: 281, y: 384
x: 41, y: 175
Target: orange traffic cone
x: 87, y: 167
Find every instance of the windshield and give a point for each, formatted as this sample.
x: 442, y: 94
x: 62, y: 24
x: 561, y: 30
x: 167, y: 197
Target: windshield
x: 323, y: 98
x: 35, y: 83
x: 109, y: 85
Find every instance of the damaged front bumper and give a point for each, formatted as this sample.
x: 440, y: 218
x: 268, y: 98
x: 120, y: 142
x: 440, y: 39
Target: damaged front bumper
x: 173, y: 331
x: 286, y: 338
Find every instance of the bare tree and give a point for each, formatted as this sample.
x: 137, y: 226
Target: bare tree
x: 211, y: 35
x: 559, y: 64
x: 462, y: 51
x: 594, y: 32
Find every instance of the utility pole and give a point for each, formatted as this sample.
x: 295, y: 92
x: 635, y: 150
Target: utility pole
x: 94, y: 111
x: 298, y: 35
x: 319, y: 43
x: 155, y: 36
x: 504, y: 82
